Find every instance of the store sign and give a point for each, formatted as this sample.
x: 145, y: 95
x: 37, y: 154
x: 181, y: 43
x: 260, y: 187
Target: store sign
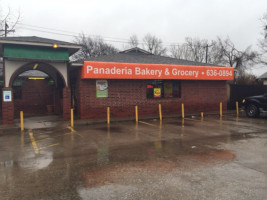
x: 108, y: 70
x: 7, y: 96
x: 101, y: 88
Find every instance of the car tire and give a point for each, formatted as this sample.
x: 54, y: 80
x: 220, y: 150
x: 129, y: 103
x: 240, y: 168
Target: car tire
x: 252, y: 110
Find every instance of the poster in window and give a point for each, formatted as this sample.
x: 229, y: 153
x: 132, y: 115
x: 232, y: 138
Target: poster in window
x: 168, y: 89
x: 157, y: 92
x: 101, y: 88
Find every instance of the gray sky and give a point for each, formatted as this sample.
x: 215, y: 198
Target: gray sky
x: 117, y: 20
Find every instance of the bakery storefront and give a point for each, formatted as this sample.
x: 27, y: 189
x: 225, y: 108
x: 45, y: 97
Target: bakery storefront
x: 137, y: 78
x: 37, y: 77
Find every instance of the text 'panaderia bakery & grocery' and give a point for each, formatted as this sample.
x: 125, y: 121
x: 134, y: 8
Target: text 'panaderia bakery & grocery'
x: 154, y: 71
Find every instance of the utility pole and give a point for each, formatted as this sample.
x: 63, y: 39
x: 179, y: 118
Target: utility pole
x: 6, y: 30
x: 6, y: 27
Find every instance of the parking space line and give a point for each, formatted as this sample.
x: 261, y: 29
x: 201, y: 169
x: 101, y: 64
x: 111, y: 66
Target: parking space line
x: 51, y: 138
x: 73, y: 131
x: 78, y: 134
x: 34, y: 145
x: 147, y: 124
x: 70, y: 128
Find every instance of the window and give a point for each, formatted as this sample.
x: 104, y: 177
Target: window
x: 163, y: 89
x: 17, y: 90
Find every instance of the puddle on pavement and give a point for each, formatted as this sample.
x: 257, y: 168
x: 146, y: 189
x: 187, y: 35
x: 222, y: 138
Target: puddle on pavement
x: 34, y: 162
x: 238, y: 136
x: 40, y: 122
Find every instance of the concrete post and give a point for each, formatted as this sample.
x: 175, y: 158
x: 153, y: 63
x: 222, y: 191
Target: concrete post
x: 66, y: 103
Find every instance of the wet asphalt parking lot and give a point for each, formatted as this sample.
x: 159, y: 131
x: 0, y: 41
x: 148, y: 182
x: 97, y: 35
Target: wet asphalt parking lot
x: 173, y: 159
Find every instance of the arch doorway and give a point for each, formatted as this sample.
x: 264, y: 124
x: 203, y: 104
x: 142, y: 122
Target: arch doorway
x: 36, y: 93
x: 39, y: 88
x: 22, y: 54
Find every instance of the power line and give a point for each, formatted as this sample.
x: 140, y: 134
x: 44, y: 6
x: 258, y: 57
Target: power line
x: 33, y: 29
x: 69, y: 35
x: 46, y: 28
x: 75, y: 34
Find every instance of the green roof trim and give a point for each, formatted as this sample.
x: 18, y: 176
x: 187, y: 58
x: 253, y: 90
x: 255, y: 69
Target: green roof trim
x: 32, y: 52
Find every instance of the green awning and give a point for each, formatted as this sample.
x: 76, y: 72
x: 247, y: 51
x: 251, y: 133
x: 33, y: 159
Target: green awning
x: 33, y: 52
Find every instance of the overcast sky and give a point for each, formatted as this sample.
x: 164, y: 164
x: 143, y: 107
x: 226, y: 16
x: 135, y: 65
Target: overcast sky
x: 117, y: 20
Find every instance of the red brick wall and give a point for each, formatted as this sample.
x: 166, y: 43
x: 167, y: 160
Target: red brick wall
x: 66, y: 103
x: 125, y: 94
x: 7, y: 110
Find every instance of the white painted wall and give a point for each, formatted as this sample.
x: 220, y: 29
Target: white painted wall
x: 12, y: 66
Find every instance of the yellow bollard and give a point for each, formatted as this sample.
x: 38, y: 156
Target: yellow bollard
x: 160, y: 114
x: 220, y: 109
x: 202, y: 115
x: 21, y: 121
x: 136, y: 113
x: 108, y: 115
x: 71, y: 118
x: 182, y: 111
x: 237, y: 108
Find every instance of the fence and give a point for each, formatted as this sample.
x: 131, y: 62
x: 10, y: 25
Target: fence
x: 239, y: 92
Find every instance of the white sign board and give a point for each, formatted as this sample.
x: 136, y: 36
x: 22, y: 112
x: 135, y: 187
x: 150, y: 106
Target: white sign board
x: 7, y: 96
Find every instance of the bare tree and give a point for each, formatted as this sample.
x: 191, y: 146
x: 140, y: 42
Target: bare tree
x: 219, y: 52
x: 181, y: 52
x: 263, y: 41
x: 8, y: 21
x: 214, y: 53
x: 92, y: 47
x: 198, y: 50
x: 133, y: 41
x: 240, y: 60
x: 153, y: 45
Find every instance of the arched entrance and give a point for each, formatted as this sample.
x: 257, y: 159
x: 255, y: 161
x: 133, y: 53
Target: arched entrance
x: 23, y: 54
x: 37, y: 90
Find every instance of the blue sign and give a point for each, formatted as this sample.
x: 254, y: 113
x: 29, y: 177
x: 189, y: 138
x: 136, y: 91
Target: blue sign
x: 7, y: 96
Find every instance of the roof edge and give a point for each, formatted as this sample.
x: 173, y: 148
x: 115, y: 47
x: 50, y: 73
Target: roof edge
x: 136, y: 49
x: 40, y: 44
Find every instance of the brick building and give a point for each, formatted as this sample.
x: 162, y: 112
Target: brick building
x: 125, y: 89
x: 38, y: 78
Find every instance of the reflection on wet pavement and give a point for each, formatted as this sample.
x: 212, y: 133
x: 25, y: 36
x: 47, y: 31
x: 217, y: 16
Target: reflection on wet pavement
x: 131, y: 160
